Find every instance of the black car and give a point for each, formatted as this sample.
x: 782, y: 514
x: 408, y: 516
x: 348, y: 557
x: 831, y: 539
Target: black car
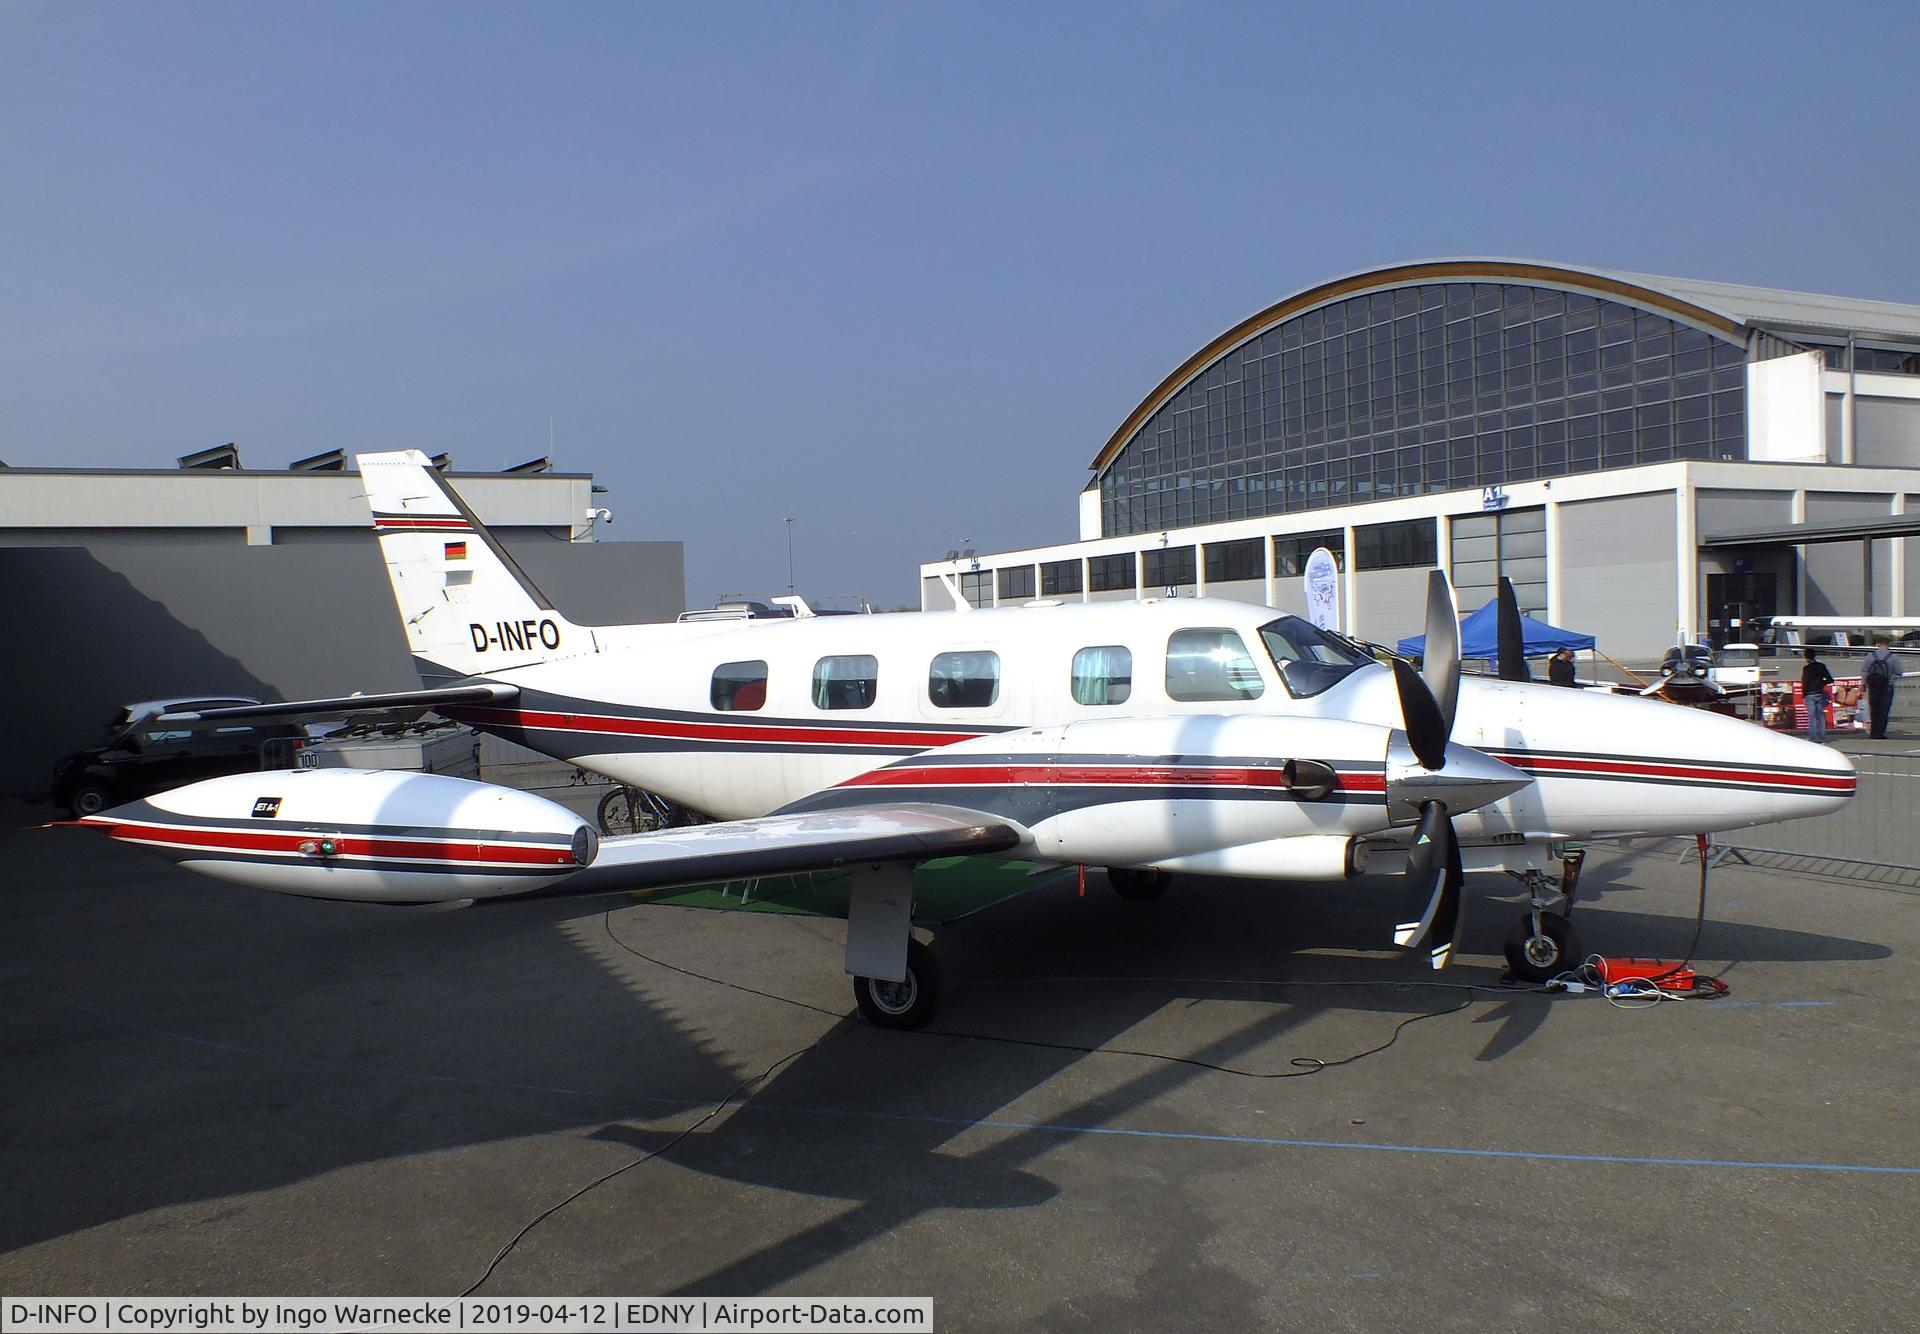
x: 139, y: 756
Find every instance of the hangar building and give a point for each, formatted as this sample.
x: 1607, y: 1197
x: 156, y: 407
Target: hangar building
x: 213, y: 579
x: 1644, y: 457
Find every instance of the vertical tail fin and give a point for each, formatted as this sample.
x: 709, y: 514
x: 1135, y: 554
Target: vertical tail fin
x: 468, y: 608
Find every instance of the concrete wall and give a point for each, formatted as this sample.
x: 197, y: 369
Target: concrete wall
x: 1240, y: 590
x: 1835, y: 578
x: 1388, y: 605
x: 1886, y: 432
x: 98, y: 627
x: 1619, y: 573
x: 1731, y: 511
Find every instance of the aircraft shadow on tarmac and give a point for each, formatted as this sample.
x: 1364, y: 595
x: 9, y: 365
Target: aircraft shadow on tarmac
x: 174, y: 1041
x: 1053, y: 969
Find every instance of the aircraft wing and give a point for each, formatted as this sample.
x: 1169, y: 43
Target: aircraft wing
x: 788, y: 844
x: 392, y: 701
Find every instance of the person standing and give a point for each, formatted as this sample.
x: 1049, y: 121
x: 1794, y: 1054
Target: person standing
x: 1881, y: 670
x: 1815, y: 684
x: 1560, y: 668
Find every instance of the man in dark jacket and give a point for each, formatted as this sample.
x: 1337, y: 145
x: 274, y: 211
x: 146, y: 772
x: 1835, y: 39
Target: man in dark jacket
x: 1560, y: 668
x: 1816, y: 683
x: 1880, y: 671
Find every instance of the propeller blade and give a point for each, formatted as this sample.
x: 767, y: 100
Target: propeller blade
x: 1450, y: 918
x: 1513, y: 640
x: 1426, y: 726
x: 1441, y: 660
x: 1427, y: 862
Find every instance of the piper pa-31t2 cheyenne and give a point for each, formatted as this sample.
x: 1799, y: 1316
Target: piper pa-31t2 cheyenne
x: 1151, y: 738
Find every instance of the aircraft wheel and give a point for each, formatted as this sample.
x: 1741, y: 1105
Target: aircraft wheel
x: 1549, y: 954
x: 905, y: 1004
x: 1136, y: 884
x: 89, y: 799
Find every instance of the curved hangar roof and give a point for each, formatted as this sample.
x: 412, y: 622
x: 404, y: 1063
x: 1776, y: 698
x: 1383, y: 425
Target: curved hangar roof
x: 1728, y: 309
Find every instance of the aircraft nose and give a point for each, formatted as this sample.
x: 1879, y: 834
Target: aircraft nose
x: 1796, y: 778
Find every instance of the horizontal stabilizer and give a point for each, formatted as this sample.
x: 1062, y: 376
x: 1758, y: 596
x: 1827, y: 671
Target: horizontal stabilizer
x: 391, y: 702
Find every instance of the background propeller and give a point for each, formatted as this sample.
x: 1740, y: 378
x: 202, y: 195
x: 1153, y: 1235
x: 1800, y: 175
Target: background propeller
x: 1428, y: 700
x: 1512, y: 638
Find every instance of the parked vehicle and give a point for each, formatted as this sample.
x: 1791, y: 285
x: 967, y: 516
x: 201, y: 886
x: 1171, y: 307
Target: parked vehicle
x: 138, y: 757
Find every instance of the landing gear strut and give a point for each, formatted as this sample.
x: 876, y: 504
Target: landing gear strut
x: 1543, y: 943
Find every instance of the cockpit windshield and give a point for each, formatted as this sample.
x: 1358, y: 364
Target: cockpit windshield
x: 1309, y: 659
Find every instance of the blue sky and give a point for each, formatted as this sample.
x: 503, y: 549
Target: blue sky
x: 895, y: 270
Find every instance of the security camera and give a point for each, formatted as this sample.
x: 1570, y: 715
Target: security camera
x: 599, y: 516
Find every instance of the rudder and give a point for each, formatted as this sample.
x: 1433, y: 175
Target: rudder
x: 467, y: 606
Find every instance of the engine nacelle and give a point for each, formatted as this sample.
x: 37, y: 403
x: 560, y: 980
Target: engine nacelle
x: 361, y: 834
x: 1302, y: 857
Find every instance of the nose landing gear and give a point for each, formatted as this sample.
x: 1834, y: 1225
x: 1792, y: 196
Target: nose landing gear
x: 1543, y: 943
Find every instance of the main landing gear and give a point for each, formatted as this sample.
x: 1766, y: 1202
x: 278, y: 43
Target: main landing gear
x: 907, y: 1003
x: 1138, y: 884
x: 1543, y: 943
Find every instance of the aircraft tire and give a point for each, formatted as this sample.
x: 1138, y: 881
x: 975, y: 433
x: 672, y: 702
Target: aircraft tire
x: 1552, y: 953
x: 1138, y: 885
x: 907, y: 1004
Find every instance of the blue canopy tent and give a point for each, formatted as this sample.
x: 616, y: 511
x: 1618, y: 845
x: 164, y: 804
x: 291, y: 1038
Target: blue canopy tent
x: 1480, y: 636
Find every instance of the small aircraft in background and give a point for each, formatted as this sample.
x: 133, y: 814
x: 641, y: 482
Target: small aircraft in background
x: 1151, y: 738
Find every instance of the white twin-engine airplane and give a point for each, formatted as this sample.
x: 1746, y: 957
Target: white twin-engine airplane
x: 1187, y: 735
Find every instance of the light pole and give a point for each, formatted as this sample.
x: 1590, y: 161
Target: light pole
x: 789, y: 555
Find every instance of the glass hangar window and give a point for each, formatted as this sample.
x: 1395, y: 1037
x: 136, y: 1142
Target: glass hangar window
x: 1167, y: 567
x: 739, y: 687
x: 1107, y: 573
x: 849, y: 681
x: 1211, y: 664
x: 1433, y: 385
x: 1016, y: 581
x: 1394, y: 546
x: 969, y: 679
x: 1059, y: 576
x: 1231, y: 561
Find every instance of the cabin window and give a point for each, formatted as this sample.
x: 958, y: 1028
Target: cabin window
x: 848, y: 681
x: 967, y: 680
x: 739, y: 687
x: 1102, y: 675
x: 1211, y: 665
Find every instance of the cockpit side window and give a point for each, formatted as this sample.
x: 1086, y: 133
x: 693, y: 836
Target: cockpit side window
x: 1309, y: 659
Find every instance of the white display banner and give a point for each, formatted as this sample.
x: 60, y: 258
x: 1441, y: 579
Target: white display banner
x: 480, y: 1315
x: 1323, y: 589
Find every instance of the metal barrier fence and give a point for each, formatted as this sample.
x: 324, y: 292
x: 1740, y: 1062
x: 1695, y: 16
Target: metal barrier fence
x: 1878, y: 829
x: 512, y: 765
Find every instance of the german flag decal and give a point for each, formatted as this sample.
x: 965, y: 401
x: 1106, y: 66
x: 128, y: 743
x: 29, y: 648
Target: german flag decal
x: 456, y: 551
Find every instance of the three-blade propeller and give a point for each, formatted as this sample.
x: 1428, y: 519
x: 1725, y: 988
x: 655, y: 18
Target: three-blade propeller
x: 1428, y: 700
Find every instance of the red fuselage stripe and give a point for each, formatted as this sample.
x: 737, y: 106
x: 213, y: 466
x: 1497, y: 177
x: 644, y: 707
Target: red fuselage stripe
x: 1068, y: 775
x: 345, y: 845
x: 771, y: 733
x: 1651, y: 769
